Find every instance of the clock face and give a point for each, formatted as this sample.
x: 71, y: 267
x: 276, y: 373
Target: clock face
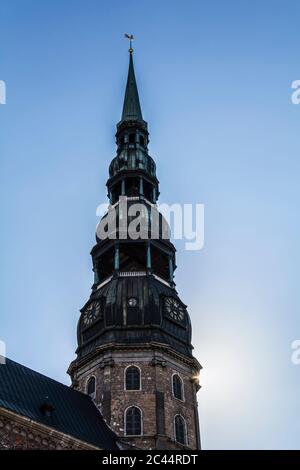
x: 132, y: 302
x: 91, y: 312
x: 174, y: 309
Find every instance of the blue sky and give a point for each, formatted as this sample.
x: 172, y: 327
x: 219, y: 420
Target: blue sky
x: 215, y: 87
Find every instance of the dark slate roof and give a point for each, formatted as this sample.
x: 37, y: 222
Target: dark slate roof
x: 23, y: 391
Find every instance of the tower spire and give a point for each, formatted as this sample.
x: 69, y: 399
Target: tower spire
x: 134, y: 327
x: 131, y: 107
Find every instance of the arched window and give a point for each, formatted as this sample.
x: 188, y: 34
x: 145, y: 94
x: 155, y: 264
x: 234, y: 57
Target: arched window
x: 177, y: 387
x: 133, y: 421
x: 142, y: 140
x: 180, y: 429
x: 91, y: 386
x: 132, y: 378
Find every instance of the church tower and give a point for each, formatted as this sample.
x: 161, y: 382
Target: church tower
x: 134, y: 355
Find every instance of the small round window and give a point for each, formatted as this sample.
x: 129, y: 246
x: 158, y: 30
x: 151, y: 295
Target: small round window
x: 132, y: 302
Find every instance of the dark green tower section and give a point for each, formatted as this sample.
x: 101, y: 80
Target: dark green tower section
x: 133, y: 300
x: 132, y: 172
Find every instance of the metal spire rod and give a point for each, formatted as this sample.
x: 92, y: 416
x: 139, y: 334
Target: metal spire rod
x: 131, y: 38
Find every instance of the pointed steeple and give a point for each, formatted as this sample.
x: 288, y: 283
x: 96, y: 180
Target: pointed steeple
x: 131, y: 108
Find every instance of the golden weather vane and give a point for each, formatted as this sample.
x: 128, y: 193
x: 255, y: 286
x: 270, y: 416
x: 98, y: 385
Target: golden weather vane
x: 131, y: 38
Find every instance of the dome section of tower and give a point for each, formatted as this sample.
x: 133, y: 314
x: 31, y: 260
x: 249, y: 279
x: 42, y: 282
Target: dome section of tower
x: 152, y: 224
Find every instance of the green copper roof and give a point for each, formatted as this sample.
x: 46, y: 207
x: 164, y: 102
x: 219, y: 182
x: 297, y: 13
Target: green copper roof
x: 131, y: 108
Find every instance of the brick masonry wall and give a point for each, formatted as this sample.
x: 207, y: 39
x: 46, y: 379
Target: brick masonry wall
x: 110, y: 383
x: 18, y: 435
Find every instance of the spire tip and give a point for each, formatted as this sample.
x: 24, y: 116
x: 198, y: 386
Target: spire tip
x: 131, y: 107
x: 130, y: 37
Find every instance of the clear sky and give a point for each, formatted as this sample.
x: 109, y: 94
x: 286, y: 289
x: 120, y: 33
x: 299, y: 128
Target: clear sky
x: 215, y: 85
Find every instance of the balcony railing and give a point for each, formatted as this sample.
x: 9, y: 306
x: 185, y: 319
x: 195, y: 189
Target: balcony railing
x: 132, y: 273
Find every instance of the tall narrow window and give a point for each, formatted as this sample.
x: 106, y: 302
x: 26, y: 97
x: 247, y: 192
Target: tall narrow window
x: 177, y: 387
x: 132, y: 378
x: 91, y: 386
x: 133, y: 314
x: 180, y: 430
x: 131, y: 138
x: 133, y: 421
